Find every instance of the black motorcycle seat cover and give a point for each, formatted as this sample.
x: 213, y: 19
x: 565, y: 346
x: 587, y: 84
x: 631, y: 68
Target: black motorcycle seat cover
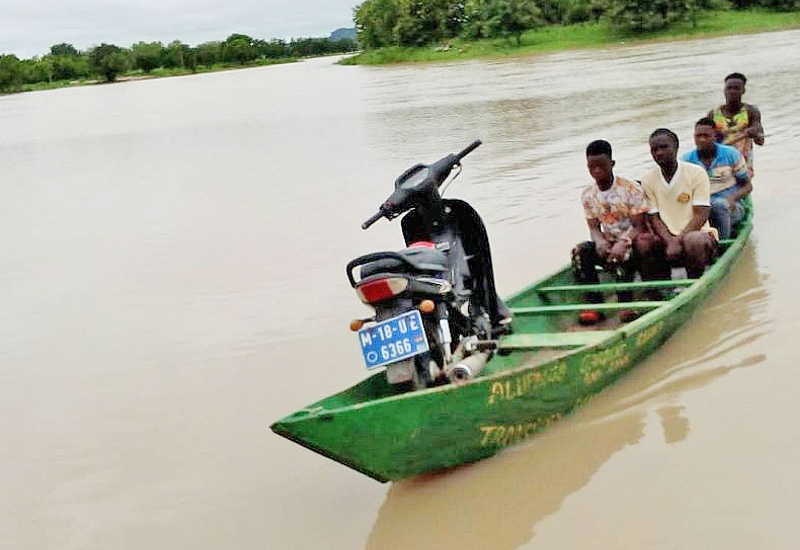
x: 426, y: 259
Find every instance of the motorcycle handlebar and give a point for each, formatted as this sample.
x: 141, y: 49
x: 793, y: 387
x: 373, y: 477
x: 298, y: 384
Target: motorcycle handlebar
x: 468, y: 149
x: 438, y: 172
x: 378, y: 215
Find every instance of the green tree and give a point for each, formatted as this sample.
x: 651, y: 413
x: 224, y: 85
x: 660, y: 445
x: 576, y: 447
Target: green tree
x: 342, y: 45
x: 375, y: 22
x: 36, y: 70
x: 239, y: 48
x: 639, y: 16
x: 301, y: 47
x: 63, y: 49
x: 109, y: 61
x: 781, y: 5
x: 178, y: 54
x: 502, y: 18
x: 208, y: 53
x: 147, y: 55
x: 579, y: 11
x: 425, y: 21
x: 274, y: 49
x: 553, y: 11
x: 10, y: 73
x: 70, y: 67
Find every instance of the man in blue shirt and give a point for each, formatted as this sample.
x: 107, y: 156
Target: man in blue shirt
x: 727, y: 171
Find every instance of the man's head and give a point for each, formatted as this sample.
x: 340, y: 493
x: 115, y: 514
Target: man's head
x: 734, y: 88
x: 599, y: 162
x: 704, y: 134
x: 664, y: 147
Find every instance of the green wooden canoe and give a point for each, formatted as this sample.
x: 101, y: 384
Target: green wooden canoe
x: 549, y: 366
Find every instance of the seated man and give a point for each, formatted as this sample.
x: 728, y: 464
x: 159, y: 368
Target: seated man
x: 614, y: 208
x: 678, y: 193
x: 727, y: 172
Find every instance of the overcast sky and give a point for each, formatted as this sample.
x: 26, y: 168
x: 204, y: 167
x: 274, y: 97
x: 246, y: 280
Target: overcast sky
x: 29, y: 27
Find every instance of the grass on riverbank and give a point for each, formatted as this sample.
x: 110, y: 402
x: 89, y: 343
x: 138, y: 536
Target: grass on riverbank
x: 585, y: 35
x: 155, y: 73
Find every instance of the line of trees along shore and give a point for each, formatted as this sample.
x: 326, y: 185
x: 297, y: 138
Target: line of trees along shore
x: 383, y: 23
x: 108, y: 61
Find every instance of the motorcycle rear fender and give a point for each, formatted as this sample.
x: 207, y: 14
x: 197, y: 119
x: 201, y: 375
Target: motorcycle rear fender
x: 402, y: 371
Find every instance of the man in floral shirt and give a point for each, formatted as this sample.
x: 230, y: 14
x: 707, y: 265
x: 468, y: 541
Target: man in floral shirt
x: 614, y: 208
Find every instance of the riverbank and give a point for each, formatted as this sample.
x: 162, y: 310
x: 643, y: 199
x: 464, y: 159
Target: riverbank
x: 584, y: 35
x: 160, y: 72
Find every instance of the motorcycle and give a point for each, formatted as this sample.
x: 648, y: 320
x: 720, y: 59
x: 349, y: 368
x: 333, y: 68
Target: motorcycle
x: 437, y: 313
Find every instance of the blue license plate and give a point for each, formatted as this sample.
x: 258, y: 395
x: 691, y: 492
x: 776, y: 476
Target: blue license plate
x: 393, y: 340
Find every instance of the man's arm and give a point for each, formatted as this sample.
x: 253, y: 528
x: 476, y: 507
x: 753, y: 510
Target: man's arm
x: 600, y: 242
x: 743, y: 188
x: 637, y: 226
x: 660, y: 228
x: 625, y: 243
x: 743, y: 184
x: 699, y: 217
x: 755, y: 130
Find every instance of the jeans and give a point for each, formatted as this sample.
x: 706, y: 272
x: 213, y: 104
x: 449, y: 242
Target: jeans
x: 721, y: 216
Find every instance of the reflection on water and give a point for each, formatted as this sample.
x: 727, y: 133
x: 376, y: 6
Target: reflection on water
x: 498, y: 502
x: 675, y: 424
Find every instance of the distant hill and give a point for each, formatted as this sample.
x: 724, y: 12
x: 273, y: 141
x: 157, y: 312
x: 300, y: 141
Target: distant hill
x: 343, y: 33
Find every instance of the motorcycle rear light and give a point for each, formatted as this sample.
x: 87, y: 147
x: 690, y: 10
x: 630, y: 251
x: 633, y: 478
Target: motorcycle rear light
x: 378, y: 290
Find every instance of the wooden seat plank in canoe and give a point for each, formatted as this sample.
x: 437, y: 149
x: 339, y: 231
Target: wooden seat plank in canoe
x: 614, y: 287
x: 570, y: 308
x: 553, y: 340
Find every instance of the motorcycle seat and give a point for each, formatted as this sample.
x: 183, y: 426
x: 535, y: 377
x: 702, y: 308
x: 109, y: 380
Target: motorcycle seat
x: 425, y: 260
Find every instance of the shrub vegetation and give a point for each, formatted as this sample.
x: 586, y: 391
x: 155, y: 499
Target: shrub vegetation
x: 65, y: 64
x: 388, y: 23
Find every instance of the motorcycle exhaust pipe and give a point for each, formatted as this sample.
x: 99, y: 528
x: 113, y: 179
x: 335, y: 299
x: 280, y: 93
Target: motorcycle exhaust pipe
x: 469, y: 367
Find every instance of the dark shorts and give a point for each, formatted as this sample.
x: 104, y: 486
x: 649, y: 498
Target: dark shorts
x: 658, y: 247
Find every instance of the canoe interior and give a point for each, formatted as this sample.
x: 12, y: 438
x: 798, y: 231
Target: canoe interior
x: 539, y: 334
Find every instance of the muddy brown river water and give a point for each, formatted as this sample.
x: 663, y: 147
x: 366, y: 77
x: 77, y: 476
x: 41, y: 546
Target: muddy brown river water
x: 172, y: 279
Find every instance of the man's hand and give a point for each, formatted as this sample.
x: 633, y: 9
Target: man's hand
x: 731, y: 204
x: 618, y: 252
x: 603, y: 248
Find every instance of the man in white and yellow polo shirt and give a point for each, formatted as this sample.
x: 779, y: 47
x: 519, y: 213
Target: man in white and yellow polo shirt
x: 678, y: 193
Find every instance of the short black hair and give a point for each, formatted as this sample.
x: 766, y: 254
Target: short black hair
x: 705, y: 121
x: 599, y: 147
x: 667, y: 131
x: 740, y: 76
